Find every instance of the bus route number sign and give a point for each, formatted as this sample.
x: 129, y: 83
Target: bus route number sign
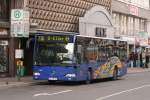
x: 55, y: 38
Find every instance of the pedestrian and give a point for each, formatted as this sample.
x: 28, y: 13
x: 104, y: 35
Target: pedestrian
x: 141, y: 64
x: 135, y: 57
x: 131, y: 59
x: 143, y: 58
x: 147, y: 59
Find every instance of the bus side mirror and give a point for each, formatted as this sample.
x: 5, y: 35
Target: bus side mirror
x: 74, y: 60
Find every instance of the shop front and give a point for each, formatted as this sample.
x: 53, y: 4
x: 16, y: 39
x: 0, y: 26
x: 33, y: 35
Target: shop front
x: 131, y: 48
x: 131, y: 43
x: 4, y: 52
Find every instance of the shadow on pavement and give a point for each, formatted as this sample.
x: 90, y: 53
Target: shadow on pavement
x: 73, y: 83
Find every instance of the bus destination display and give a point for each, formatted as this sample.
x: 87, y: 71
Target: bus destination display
x: 55, y: 38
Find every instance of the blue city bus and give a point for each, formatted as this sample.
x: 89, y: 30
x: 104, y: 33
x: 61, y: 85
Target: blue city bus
x: 72, y: 57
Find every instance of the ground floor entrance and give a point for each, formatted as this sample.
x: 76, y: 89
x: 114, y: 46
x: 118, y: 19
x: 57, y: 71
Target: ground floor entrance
x: 4, y: 57
x: 8, y: 56
x: 27, y: 44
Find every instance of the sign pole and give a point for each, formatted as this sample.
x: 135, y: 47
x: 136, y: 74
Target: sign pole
x: 19, y: 29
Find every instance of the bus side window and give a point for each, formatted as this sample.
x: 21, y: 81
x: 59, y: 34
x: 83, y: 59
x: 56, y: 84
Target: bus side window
x: 79, y: 51
x: 115, y: 52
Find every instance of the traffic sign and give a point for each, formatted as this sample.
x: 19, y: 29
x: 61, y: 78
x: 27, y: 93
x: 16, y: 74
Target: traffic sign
x: 19, y: 23
x: 17, y: 14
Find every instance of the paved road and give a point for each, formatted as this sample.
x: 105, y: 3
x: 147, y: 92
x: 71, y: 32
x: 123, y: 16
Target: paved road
x: 131, y: 87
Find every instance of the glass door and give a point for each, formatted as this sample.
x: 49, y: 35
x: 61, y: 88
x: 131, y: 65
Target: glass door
x: 3, y: 56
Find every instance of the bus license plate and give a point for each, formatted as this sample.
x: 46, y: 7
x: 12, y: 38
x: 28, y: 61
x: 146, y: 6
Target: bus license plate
x: 52, y: 78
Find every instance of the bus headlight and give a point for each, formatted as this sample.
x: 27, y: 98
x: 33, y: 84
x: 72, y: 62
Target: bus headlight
x: 36, y: 74
x: 71, y: 75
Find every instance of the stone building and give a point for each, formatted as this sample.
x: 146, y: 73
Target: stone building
x: 48, y: 16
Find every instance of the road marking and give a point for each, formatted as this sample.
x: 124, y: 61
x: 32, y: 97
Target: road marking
x: 48, y: 94
x: 122, y: 92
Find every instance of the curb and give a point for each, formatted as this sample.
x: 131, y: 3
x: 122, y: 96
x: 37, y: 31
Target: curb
x: 17, y: 84
x: 138, y: 71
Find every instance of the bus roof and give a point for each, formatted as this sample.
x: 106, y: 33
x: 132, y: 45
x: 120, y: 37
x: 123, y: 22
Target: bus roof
x: 101, y: 38
x: 55, y: 33
x: 63, y: 33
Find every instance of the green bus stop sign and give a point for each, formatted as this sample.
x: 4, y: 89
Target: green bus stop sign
x: 17, y: 14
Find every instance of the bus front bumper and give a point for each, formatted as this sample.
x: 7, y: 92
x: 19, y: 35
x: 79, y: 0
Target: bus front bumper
x: 65, y: 77
x: 55, y: 73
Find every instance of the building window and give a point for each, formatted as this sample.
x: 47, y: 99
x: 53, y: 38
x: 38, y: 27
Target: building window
x: 137, y: 26
x: 4, y: 56
x: 128, y: 25
x: 100, y: 32
x: 4, y: 9
x: 142, y: 25
x: 131, y: 26
x: 116, y: 19
x: 123, y: 25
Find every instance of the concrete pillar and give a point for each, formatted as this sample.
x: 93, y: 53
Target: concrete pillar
x: 11, y: 57
x: 148, y: 28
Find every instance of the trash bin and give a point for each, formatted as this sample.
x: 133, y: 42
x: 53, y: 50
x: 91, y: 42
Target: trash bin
x: 21, y: 71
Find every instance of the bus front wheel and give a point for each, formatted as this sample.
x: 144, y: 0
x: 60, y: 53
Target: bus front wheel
x: 115, y: 73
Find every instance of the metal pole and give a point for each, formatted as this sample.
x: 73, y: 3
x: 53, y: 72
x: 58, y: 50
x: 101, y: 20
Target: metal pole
x: 18, y: 65
x: 19, y: 43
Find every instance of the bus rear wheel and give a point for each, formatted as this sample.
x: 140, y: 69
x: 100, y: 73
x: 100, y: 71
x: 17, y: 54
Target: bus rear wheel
x: 115, y: 73
x: 89, y: 77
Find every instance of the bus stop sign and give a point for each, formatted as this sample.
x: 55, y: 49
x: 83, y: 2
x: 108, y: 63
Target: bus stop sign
x: 19, y: 23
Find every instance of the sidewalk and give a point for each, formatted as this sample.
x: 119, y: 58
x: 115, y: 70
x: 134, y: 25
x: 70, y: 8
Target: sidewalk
x: 13, y: 81
x: 137, y: 70
x: 25, y: 81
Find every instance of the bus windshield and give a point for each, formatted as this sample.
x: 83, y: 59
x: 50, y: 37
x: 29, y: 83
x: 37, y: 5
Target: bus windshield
x: 54, y: 54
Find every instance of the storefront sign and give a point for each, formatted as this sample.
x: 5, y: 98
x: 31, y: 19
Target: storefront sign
x: 3, y: 42
x: 3, y: 32
x: 134, y: 10
x: 143, y: 38
x: 131, y: 40
x: 19, y: 53
x: 19, y: 23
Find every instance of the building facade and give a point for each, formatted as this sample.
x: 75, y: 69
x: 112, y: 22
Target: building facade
x: 131, y: 22
x: 4, y: 37
x: 61, y: 15
x: 45, y: 16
